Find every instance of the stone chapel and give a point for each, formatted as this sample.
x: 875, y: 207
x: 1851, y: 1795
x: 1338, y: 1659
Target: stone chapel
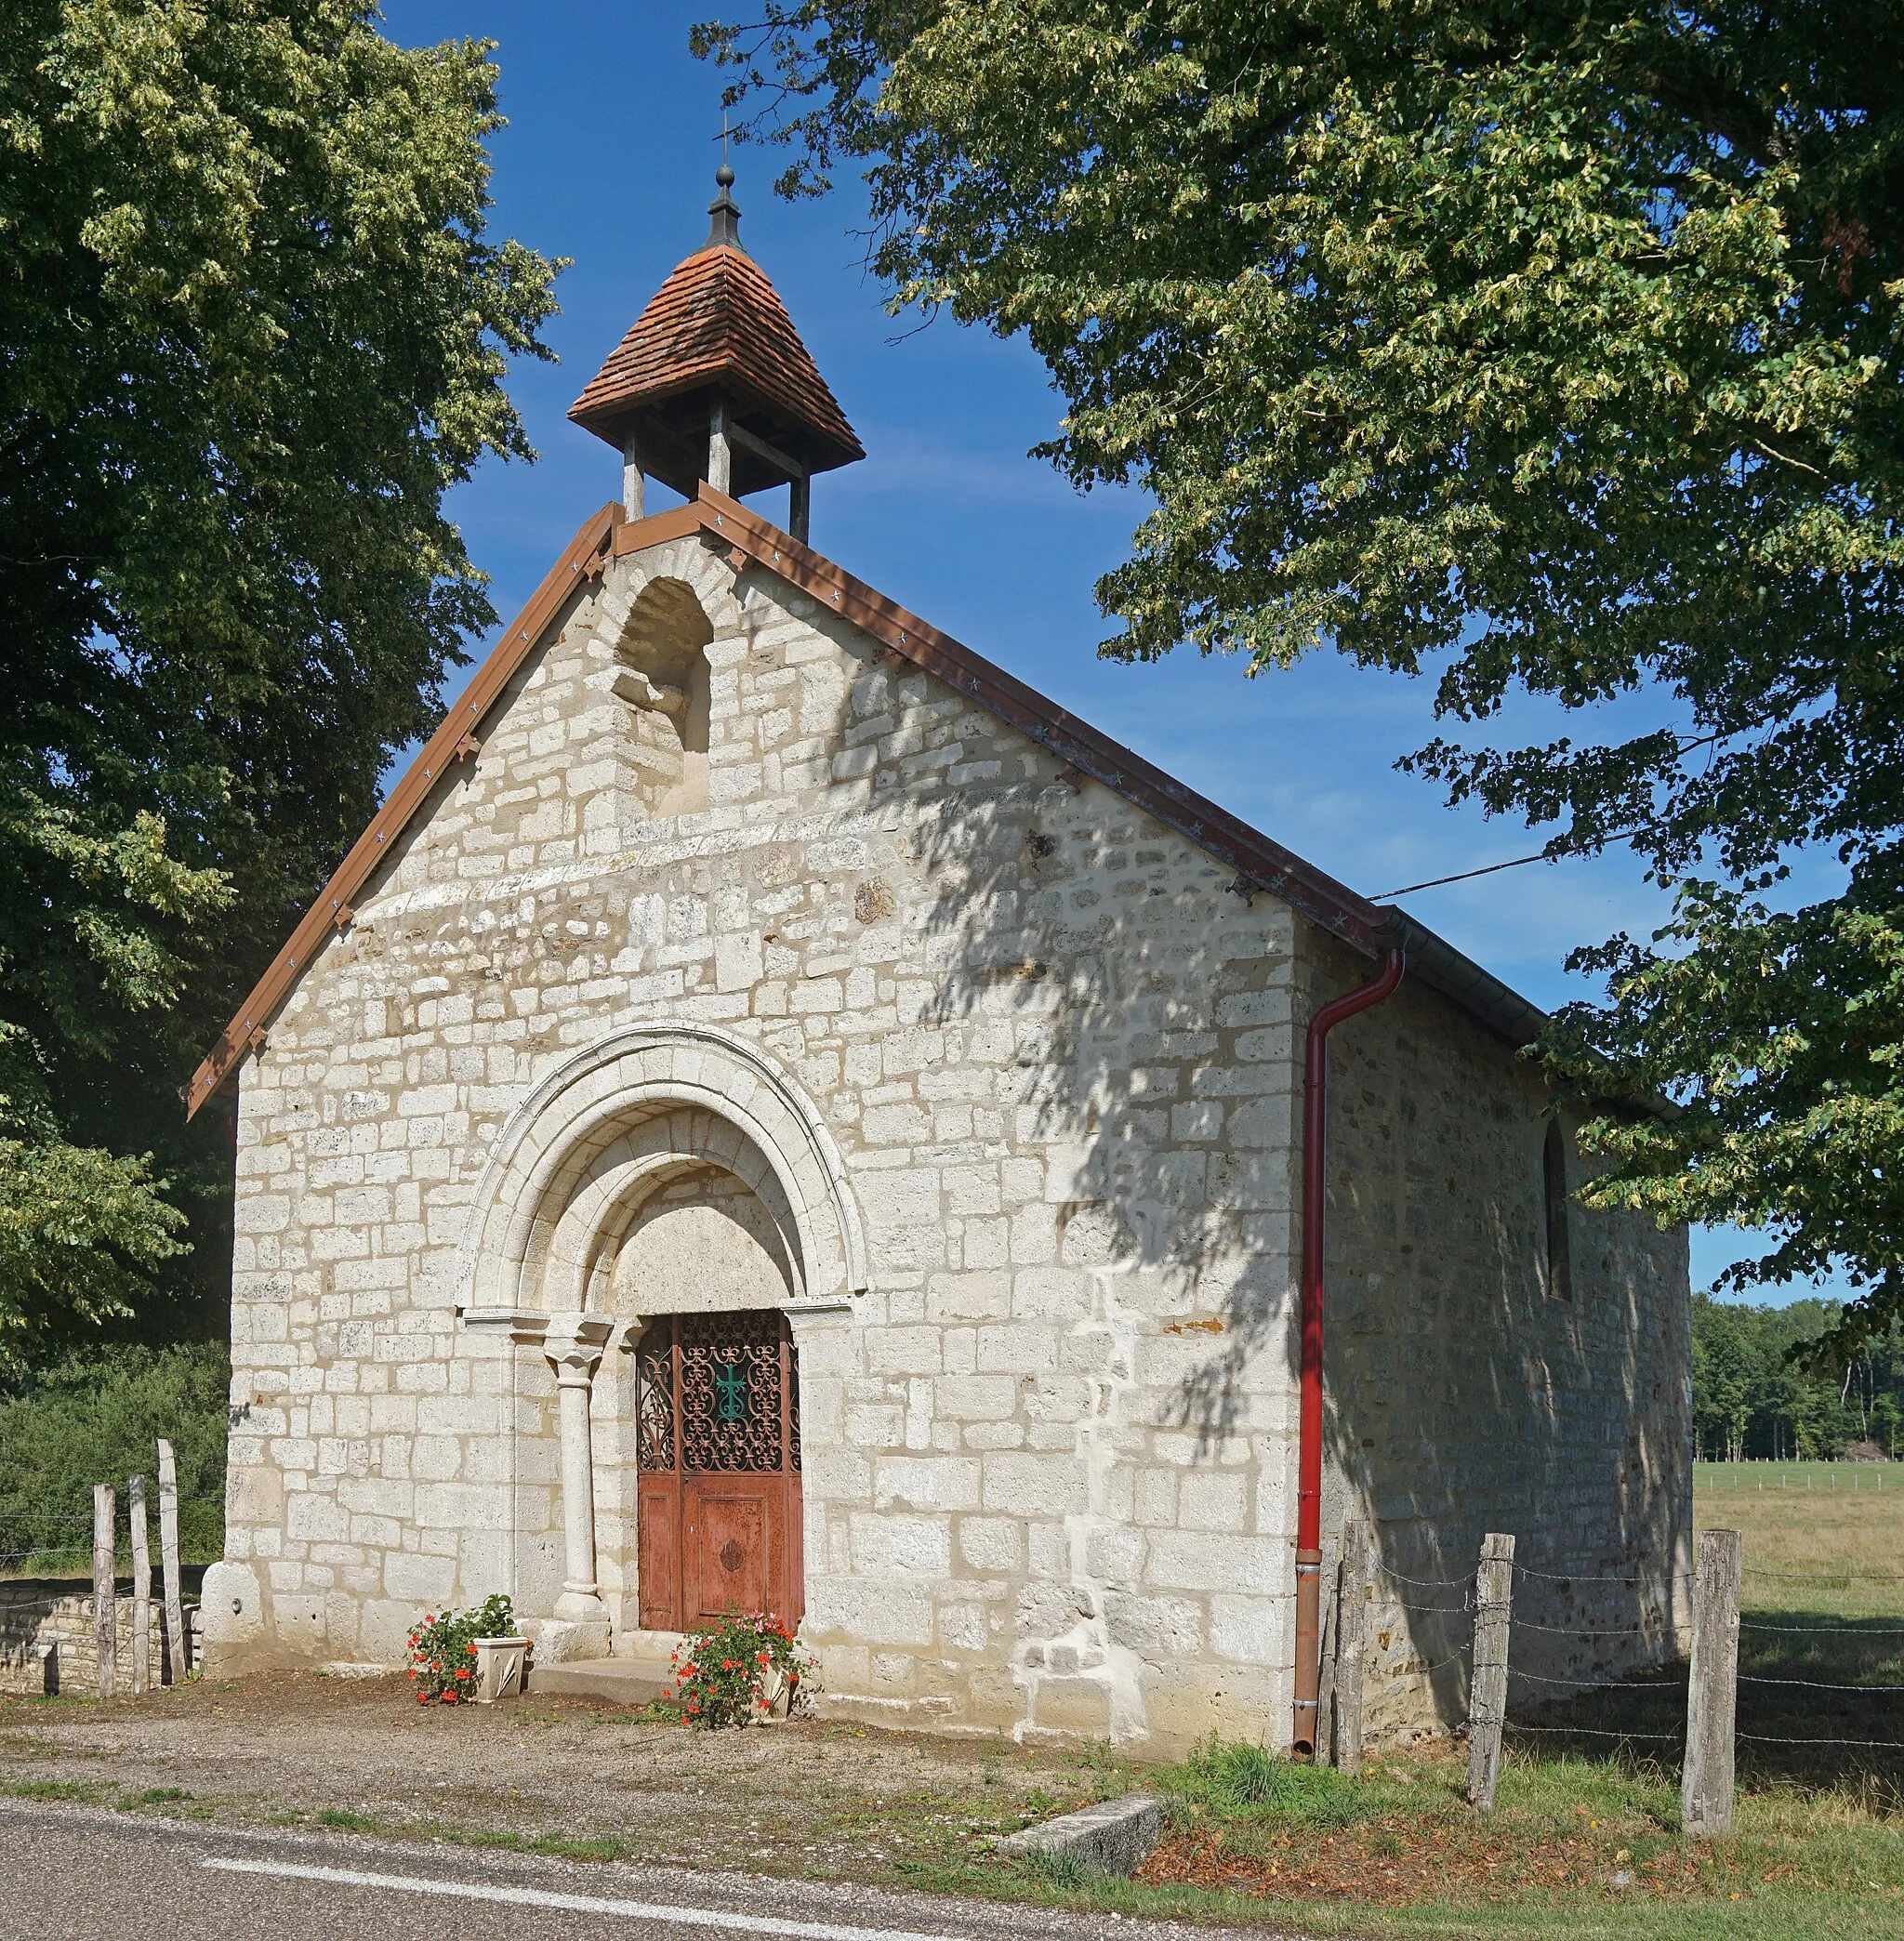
x: 776, y: 1114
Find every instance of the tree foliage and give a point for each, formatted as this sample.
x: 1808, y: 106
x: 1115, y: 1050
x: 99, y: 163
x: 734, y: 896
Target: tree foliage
x: 1551, y: 348
x: 96, y: 1418
x: 1766, y: 1384
x: 251, y: 329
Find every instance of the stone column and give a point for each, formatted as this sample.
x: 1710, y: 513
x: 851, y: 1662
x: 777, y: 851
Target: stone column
x: 633, y: 483
x: 573, y: 1344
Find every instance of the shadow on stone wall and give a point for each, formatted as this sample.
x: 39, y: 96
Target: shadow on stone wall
x: 1461, y: 1397
x: 1466, y: 1394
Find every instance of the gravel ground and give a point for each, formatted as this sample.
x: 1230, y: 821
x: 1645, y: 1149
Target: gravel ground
x: 557, y: 1774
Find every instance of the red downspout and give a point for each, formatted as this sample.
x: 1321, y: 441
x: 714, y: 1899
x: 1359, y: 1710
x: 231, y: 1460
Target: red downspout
x: 1309, y: 1444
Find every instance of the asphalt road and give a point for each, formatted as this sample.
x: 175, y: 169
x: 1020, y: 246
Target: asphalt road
x: 73, y: 1874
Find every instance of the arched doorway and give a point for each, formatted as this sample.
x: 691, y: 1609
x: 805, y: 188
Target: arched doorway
x: 701, y: 1266
x: 653, y: 1215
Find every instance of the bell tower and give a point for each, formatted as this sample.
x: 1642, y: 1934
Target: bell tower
x: 714, y: 383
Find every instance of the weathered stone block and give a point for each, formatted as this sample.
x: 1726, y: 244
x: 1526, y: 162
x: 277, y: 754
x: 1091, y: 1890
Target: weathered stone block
x: 1114, y: 1837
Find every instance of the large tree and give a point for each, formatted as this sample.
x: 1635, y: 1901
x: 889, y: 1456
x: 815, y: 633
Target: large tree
x: 1552, y: 347
x: 251, y: 329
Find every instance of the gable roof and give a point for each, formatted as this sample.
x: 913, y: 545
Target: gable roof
x: 1261, y: 862
x: 717, y: 321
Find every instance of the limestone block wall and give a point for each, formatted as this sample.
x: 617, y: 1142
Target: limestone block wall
x: 1035, y: 1071
x: 1048, y: 1442
x: 48, y: 1643
x: 1466, y: 1392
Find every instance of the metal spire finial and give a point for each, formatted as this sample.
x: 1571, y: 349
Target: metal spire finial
x: 724, y: 229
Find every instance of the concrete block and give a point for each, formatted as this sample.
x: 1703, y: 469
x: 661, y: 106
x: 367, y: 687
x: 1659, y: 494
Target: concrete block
x: 1114, y: 1837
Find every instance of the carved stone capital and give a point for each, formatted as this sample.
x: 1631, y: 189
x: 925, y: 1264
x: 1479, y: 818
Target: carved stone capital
x: 573, y: 1345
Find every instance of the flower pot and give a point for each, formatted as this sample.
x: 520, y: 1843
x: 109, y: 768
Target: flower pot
x: 773, y: 1687
x: 500, y: 1663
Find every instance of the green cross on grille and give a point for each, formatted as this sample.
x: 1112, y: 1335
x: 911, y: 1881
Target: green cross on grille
x: 730, y: 1392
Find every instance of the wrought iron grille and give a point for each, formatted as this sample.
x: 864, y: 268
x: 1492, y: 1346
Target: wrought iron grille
x: 654, y: 1398
x: 717, y: 1392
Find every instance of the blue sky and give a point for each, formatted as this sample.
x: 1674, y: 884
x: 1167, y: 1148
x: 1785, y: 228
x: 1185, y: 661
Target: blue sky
x: 609, y: 159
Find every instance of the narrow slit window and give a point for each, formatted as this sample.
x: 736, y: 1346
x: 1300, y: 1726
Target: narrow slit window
x: 1559, y: 1238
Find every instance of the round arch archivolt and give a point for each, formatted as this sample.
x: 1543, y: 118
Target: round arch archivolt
x: 575, y: 1155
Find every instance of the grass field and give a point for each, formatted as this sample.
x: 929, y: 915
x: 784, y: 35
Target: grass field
x: 1800, y: 1478
x: 1812, y: 1542
x: 1822, y: 1602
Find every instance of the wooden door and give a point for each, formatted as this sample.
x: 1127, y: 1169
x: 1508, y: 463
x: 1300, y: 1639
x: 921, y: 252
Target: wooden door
x: 719, y: 1495
x: 732, y: 1526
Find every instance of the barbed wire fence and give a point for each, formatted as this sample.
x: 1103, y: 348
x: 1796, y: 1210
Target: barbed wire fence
x: 42, y: 1619
x: 1688, y: 1704
x: 1849, y: 1631
x: 1346, y: 1634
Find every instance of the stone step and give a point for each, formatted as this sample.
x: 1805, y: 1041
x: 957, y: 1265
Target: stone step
x: 615, y: 1680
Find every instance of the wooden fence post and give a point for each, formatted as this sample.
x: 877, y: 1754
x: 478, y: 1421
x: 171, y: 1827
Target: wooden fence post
x: 105, y: 1590
x: 168, y: 1560
x: 1351, y: 1647
x: 141, y: 1587
x: 1711, y: 1693
x: 1487, y: 1690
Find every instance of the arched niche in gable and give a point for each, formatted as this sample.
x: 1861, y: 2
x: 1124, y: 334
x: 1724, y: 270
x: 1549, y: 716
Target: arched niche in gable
x: 662, y: 677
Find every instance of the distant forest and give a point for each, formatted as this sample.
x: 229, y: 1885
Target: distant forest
x: 1750, y: 1399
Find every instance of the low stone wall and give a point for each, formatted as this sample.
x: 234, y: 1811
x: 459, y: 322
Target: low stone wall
x: 47, y: 1641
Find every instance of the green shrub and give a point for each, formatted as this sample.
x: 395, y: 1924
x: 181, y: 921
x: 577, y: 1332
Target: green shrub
x: 96, y: 1419
x: 1232, y: 1777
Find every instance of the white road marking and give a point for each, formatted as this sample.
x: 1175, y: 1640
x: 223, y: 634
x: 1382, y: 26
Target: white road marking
x: 573, y: 1903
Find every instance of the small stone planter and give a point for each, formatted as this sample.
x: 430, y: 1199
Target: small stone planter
x: 773, y: 1687
x: 500, y: 1663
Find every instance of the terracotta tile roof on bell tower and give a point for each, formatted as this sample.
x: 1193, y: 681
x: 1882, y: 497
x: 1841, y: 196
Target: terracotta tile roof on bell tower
x: 715, y: 329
